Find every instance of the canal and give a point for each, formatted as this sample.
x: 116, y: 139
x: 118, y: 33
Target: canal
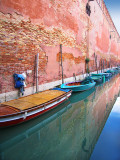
x: 68, y: 132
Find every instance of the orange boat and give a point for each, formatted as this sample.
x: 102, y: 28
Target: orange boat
x: 25, y: 108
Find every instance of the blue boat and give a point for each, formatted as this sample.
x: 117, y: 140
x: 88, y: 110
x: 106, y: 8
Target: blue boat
x: 106, y: 75
x: 110, y: 71
x: 97, y: 79
x: 114, y: 71
x: 117, y: 69
x: 83, y: 85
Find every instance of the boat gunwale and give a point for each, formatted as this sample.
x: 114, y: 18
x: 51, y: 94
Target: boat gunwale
x: 100, y: 74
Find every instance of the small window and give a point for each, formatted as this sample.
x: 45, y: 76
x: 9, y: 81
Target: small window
x: 88, y: 10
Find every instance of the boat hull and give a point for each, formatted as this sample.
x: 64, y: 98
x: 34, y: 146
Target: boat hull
x: 97, y: 79
x: 107, y: 75
x: 19, y: 117
x: 78, y: 88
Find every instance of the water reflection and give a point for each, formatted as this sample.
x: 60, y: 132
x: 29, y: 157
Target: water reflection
x: 108, y: 145
x: 68, y: 132
x: 116, y: 109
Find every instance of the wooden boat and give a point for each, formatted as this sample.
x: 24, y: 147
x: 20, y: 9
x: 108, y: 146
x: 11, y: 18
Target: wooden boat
x: 25, y: 108
x: 97, y: 79
x: 113, y: 71
x: 80, y: 85
x: 107, y: 75
x: 117, y: 70
x: 110, y: 71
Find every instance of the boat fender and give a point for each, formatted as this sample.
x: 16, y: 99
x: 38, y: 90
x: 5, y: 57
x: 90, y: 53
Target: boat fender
x: 25, y: 115
x: 67, y: 97
x: 43, y: 106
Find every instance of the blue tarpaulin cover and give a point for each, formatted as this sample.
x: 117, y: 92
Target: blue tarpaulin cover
x: 60, y: 89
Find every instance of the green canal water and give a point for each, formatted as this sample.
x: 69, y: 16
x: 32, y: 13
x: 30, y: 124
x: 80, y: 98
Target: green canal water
x: 71, y: 131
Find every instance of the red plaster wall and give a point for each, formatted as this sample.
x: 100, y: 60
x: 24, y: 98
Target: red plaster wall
x: 40, y: 26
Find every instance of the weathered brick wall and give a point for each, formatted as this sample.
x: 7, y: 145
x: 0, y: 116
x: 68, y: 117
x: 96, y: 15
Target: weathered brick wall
x: 40, y: 26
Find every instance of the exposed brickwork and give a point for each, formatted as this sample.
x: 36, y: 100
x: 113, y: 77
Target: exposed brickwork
x: 70, y: 57
x: 18, y: 47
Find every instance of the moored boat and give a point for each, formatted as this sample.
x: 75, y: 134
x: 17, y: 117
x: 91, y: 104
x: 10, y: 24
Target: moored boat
x: 97, y: 79
x: 110, y: 71
x: 80, y: 85
x: 116, y: 70
x: 106, y: 75
x: 25, y: 108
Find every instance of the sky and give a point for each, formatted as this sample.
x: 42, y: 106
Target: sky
x: 113, y: 7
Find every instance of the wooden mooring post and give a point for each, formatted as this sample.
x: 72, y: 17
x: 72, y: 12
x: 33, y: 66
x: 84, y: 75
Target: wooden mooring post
x: 95, y: 56
x: 37, y: 66
x: 61, y: 62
